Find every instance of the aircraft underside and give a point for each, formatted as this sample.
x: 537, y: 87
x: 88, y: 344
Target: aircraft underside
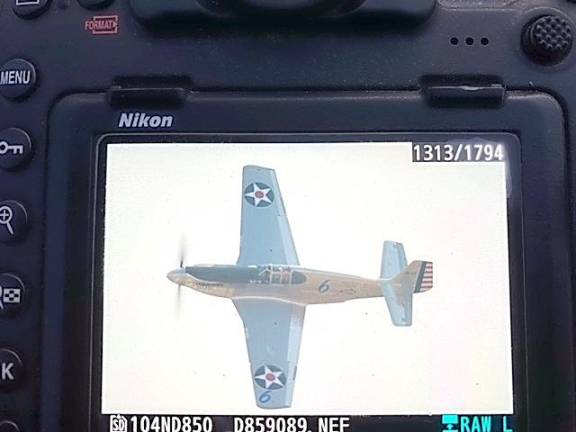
x: 271, y: 299
x: 292, y: 284
x: 320, y: 287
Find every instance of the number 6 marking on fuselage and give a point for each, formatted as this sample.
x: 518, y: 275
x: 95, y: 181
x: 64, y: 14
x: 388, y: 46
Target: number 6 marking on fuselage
x: 324, y: 286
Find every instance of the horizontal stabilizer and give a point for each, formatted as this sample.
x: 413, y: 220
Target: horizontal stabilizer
x: 393, y: 259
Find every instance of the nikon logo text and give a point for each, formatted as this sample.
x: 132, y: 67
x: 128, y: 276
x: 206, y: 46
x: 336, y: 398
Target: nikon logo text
x: 143, y: 120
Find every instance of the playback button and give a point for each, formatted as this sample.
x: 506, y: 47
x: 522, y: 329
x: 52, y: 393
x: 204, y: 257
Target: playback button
x: 29, y: 8
x: 15, y: 148
x: 11, y: 370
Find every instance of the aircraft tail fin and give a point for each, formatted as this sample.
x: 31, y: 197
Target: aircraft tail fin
x: 399, y: 282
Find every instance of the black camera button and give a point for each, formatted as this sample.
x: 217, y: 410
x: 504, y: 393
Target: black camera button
x: 13, y: 221
x: 12, y: 295
x: 94, y: 4
x: 8, y: 426
x: 548, y: 39
x: 17, y: 79
x: 11, y: 370
x: 15, y: 148
x: 29, y: 8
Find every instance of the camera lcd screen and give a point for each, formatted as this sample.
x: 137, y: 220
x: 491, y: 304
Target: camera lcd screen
x: 305, y: 279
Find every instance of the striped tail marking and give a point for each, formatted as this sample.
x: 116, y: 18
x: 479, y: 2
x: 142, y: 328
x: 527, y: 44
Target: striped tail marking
x: 426, y: 279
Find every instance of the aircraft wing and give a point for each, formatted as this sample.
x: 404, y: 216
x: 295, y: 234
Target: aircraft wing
x: 265, y: 233
x: 273, y: 333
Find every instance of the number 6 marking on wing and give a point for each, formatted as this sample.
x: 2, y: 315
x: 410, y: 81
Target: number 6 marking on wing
x: 265, y: 397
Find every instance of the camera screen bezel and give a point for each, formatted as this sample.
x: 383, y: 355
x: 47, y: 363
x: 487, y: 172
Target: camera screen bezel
x: 73, y: 170
x: 358, y: 423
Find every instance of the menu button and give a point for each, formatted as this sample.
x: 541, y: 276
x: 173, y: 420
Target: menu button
x: 17, y: 79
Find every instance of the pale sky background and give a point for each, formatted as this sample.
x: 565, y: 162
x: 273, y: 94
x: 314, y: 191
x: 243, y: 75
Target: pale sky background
x: 343, y: 200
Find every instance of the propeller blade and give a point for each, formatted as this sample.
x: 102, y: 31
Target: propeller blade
x: 178, y: 300
x: 181, y: 261
x: 182, y: 252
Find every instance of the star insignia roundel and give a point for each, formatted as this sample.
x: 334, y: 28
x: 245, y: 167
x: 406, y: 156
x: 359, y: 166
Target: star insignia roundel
x: 270, y: 377
x: 259, y: 195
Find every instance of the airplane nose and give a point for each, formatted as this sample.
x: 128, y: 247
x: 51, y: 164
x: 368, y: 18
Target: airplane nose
x: 177, y: 276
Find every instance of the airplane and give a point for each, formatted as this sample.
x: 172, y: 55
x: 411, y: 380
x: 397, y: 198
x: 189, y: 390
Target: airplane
x: 271, y: 291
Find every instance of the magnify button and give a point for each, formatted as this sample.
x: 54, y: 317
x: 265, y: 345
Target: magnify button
x: 13, y: 221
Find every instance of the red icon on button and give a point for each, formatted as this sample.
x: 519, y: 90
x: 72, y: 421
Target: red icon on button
x: 102, y: 25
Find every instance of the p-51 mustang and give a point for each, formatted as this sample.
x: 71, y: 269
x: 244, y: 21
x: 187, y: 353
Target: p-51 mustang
x: 270, y: 290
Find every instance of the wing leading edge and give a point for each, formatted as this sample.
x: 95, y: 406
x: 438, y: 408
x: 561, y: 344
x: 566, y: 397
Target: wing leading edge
x: 266, y: 237
x: 273, y: 335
